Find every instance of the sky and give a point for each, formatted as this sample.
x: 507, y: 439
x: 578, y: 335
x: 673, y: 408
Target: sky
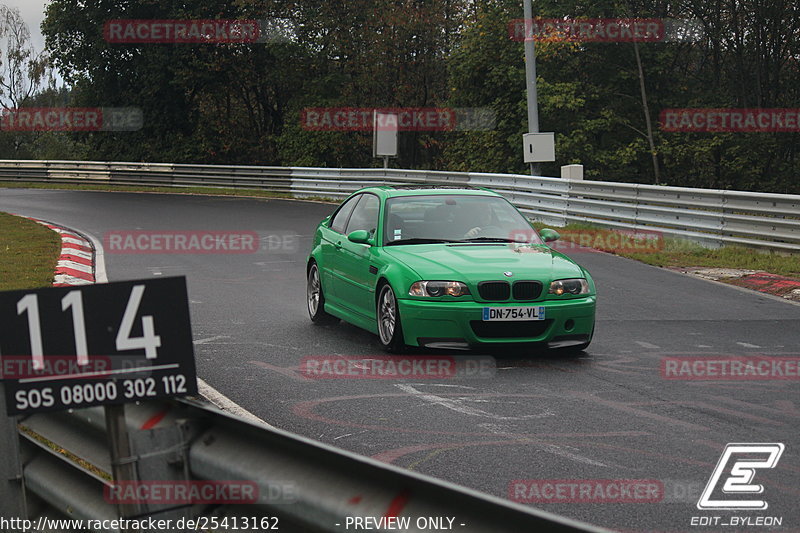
x: 32, y: 12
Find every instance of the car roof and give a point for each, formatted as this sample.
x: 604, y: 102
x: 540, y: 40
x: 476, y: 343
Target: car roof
x: 392, y: 191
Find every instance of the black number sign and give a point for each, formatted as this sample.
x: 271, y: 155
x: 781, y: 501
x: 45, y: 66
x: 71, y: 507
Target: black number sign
x: 71, y: 347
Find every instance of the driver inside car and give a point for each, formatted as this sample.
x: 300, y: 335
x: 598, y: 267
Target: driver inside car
x: 479, y: 221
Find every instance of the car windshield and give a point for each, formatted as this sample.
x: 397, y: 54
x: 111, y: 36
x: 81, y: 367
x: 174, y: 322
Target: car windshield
x: 454, y: 218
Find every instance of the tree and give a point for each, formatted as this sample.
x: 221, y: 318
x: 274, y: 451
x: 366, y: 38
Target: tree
x: 23, y: 71
x: 235, y: 103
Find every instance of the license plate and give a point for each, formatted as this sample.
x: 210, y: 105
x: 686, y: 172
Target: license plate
x: 508, y: 314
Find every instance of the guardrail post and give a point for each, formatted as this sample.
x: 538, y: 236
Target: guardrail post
x: 565, y: 211
x: 723, y: 219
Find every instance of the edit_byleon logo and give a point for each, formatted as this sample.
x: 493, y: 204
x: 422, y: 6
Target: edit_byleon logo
x: 739, y: 461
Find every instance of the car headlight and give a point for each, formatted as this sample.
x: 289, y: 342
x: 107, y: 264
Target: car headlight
x: 438, y: 288
x: 569, y: 286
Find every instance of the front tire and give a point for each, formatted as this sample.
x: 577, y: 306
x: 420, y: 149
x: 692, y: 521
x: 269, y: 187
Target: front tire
x: 390, y: 330
x: 315, y: 299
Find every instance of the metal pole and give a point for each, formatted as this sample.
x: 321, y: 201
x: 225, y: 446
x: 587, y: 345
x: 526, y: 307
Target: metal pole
x: 12, y: 502
x: 123, y: 467
x: 530, y: 75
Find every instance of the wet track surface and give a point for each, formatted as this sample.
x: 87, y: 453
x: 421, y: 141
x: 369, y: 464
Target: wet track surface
x: 606, y: 414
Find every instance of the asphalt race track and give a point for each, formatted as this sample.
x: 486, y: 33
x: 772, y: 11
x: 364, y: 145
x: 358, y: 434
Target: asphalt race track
x: 608, y: 414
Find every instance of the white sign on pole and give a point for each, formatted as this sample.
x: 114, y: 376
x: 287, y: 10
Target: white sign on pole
x: 384, y: 134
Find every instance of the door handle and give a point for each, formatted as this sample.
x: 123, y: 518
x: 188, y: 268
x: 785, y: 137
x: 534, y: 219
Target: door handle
x: 338, y: 245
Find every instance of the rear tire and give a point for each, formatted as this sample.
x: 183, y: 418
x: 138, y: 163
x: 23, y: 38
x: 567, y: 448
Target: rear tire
x: 315, y: 299
x: 390, y: 329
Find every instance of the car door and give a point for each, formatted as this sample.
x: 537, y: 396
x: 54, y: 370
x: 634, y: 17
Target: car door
x: 333, y: 237
x: 357, y: 282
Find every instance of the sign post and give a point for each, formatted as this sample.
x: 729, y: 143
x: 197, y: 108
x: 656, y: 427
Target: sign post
x: 12, y: 503
x: 122, y: 467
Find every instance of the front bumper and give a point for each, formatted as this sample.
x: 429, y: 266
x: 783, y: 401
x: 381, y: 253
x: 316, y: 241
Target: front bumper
x: 433, y: 323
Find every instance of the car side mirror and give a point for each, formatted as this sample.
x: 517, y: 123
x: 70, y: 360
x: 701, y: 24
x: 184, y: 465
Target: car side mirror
x: 359, y: 236
x: 549, y: 235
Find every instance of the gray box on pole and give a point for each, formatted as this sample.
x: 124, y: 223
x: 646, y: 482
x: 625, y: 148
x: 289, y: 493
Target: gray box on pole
x: 539, y: 147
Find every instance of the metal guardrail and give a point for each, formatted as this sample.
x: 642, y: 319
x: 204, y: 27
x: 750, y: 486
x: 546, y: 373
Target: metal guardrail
x: 711, y: 216
x: 65, y: 465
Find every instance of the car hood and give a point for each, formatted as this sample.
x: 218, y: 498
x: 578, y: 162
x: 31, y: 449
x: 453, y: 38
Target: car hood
x: 472, y: 263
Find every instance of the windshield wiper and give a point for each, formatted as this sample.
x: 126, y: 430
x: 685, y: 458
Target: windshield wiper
x: 493, y: 239
x: 417, y: 240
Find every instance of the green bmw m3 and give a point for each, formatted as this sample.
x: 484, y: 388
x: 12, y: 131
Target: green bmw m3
x: 446, y: 268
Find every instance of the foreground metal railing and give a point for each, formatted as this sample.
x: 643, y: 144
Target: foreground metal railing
x: 66, y: 469
x: 710, y: 216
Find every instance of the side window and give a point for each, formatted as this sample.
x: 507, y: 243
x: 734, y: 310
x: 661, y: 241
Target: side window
x: 365, y: 215
x: 340, y: 218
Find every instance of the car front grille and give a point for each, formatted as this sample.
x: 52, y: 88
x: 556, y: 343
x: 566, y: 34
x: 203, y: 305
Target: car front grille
x: 500, y: 291
x: 527, y: 290
x: 509, y: 330
x: 494, y: 291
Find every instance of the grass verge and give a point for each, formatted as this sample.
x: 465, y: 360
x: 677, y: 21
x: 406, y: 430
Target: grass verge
x: 684, y: 253
x: 28, y: 253
x: 206, y: 191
